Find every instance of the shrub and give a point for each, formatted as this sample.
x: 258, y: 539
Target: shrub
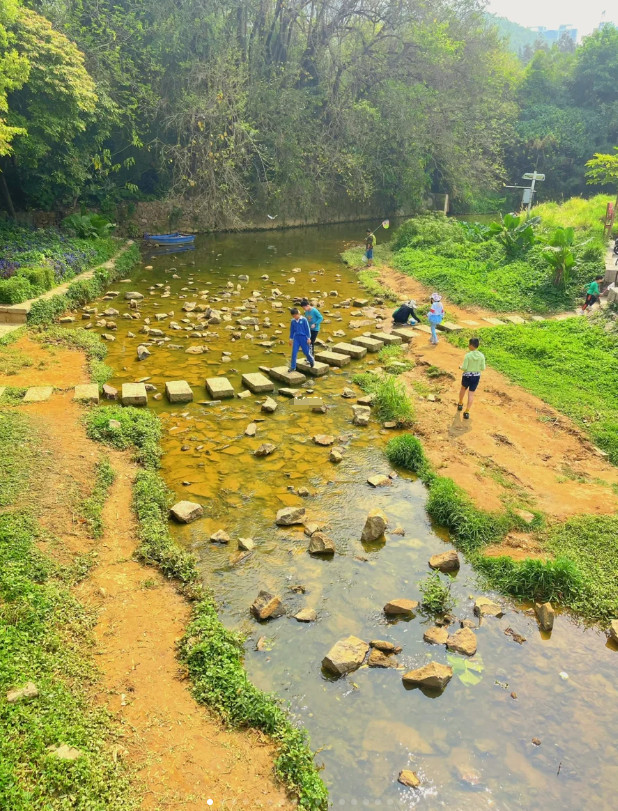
x: 390, y: 401
x: 88, y: 226
x: 427, y: 230
x: 40, y: 278
x: 407, y: 452
x: 437, y: 598
x: 15, y: 290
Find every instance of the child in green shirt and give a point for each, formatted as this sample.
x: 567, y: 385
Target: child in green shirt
x: 592, y: 293
x: 473, y: 364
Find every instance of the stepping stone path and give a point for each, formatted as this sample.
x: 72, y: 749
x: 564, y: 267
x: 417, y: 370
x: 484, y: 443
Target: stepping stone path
x: 38, y: 394
x: 352, y: 350
x: 407, y: 333
x: 219, y: 388
x: 514, y: 319
x: 257, y: 383
x: 317, y: 370
x: 448, y: 326
x: 370, y: 344
x: 178, y: 391
x: 282, y: 375
x: 134, y: 394
x: 333, y: 358
x: 386, y: 338
x: 87, y: 393
x: 495, y: 322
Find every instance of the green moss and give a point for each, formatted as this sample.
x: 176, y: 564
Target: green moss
x: 393, y: 360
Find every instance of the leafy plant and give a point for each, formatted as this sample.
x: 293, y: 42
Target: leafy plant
x: 406, y: 451
x: 559, y: 255
x: 437, y: 597
x: 88, y: 226
x: 390, y: 401
x: 514, y: 232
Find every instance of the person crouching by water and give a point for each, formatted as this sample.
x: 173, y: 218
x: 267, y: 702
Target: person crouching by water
x: 472, y: 366
x: 300, y: 338
x: 315, y: 318
x: 406, y: 314
x: 435, y: 316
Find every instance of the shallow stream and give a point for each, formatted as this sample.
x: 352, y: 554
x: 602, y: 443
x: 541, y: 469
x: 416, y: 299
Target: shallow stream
x: 471, y: 746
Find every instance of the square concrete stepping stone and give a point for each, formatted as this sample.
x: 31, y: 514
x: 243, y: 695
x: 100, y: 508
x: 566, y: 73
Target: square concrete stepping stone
x: 38, y: 394
x: 352, y: 350
x: 134, y: 394
x: 515, y: 319
x: 448, y: 326
x: 538, y: 318
x: 387, y: 338
x: 87, y: 393
x: 178, y: 391
x: 281, y: 374
x: 318, y: 369
x: 219, y: 388
x: 407, y: 333
x: 287, y: 392
x: 370, y: 344
x: 257, y: 382
x: 470, y: 323
x: 419, y: 328
x: 562, y: 317
x: 332, y: 358
x: 495, y: 322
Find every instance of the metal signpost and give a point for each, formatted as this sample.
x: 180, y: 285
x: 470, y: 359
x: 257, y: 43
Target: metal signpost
x: 528, y: 195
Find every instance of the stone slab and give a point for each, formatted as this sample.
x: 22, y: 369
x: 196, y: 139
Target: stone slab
x: 87, y: 393
x: 281, y: 375
x: 289, y: 392
x: 407, y: 333
x: 352, y: 350
x: 538, y: 318
x: 257, y: 382
x: 219, y: 388
x: 370, y: 344
x: 333, y: 358
x: 514, y: 319
x: 469, y: 323
x: 422, y: 328
x: 562, y: 316
x: 134, y: 394
x: 390, y: 339
x: 317, y: 370
x: 449, y: 326
x: 38, y: 394
x: 495, y: 322
x: 178, y: 391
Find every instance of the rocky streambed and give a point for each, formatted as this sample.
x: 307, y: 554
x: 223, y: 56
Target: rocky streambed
x: 315, y: 548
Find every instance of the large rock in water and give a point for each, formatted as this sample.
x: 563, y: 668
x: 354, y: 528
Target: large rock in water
x: 613, y: 631
x: 187, y: 511
x: 321, y: 544
x: 265, y: 449
x: 484, y: 607
x: 133, y: 295
x: 345, y: 656
x: 401, y: 606
x: 436, y: 635
x: 408, y: 778
x: 545, y: 615
x: 445, y: 562
x: 290, y: 515
x: 265, y: 605
x: 375, y: 526
x: 433, y: 676
x: 462, y: 641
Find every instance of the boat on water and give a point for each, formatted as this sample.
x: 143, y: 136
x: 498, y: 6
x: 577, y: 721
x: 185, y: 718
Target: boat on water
x: 170, y: 239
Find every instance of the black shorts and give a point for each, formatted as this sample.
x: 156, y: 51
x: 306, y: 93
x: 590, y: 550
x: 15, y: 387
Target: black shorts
x: 470, y: 380
x: 590, y: 299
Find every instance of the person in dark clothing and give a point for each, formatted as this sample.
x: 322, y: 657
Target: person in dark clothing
x: 405, y: 312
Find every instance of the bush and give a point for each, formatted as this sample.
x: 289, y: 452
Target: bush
x: 552, y: 580
x: 15, y: 290
x: 407, y: 452
x: 88, y: 226
x: 40, y: 278
x: 390, y: 401
x: 428, y: 230
x: 437, y: 598
x: 472, y: 528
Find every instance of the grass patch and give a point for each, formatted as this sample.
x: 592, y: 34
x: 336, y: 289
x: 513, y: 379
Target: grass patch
x: 88, y: 342
x: 393, y: 360
x: 92, y: 507
x: 406, y: 451
x: 139, y: 429
x: 437, y: 597
x: 369, y: 277
x: 17, y: 449
x: 390, y: 401
x: 213, y: 655
x: 577, y: 212
x: 12, y: 361
x: 569, y: 364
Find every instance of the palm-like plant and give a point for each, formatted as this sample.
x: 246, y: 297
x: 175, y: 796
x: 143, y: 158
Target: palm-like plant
x: 515, y: 232
x: 559, y: 255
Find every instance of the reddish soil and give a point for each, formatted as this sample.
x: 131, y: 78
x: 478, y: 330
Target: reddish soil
x: 505, y: 452
x: 50, y: 365
x: 180, y: 753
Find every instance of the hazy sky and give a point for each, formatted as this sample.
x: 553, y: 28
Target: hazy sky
x: 584, y: 15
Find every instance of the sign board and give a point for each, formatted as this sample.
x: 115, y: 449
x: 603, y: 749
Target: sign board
x: 526, y: 197
x: 533, y: 176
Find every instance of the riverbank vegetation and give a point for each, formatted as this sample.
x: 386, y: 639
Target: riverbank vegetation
x: 580, y: 571
x: 213, y: 655
x: 390, y: 402
x: 535, y: 266
x: 579, y: 374
x: 45, y: 636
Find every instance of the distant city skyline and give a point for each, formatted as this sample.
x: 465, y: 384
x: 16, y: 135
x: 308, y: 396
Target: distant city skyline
x: 553, y: 13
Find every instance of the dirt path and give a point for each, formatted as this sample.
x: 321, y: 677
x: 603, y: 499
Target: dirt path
x: 515, y: 448
x: 181, y: 753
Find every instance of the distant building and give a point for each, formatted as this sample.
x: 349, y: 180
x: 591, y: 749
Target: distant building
x: 552, y: 35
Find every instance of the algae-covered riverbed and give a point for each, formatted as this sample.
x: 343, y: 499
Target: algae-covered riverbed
x: 472, y: 745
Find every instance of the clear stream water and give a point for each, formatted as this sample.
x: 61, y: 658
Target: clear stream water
x: 471, y: 746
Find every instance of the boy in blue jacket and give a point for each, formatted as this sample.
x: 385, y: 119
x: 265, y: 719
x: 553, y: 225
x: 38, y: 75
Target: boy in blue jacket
x: 300, y: 338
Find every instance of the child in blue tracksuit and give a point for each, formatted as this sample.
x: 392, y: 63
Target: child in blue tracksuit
x: 300, y: 338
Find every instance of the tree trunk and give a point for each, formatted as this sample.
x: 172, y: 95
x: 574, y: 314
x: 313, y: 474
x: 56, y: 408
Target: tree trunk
x: 7, y: 195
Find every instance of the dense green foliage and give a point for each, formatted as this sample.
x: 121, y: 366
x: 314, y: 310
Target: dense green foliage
x: 579, y: 374
x: 406, y: 451
x: 214, y: 655
x: 390, y: 402
x: 45, y: 637
x: 510, y: 265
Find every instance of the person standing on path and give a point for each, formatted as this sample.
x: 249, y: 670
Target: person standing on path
x: 369, y: 243
x: 300, y: 338
x: 473, y: 364
x: 593, y: 293
x: 435, y: 316
x: 315, y: 318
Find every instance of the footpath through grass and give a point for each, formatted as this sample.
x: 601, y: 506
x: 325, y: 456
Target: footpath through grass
x: 45, y: 639
x: 570, y: 364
